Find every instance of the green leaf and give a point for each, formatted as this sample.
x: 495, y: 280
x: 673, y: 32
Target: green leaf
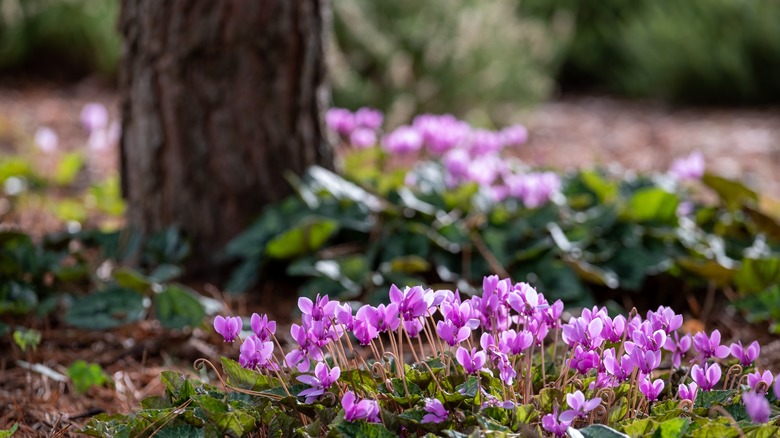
x: 706, y: 399
x: 469, y: 388
x: 361, y: 429
x: 86, y: 375
x: 674, y: 428
x: 177, y: 307
x: 411, y: 264
x: 607, y: 191
x: 106, y: 309
x: 756, y: 275
x: 654, y: 205
x: 733, y: 193
x: 708, y: 269
x: 712, y: 429
x: 132, y: 279
x: 599, y: 431
x: 592, y: 273
x: 68, y: 168
x: 639, y: 427
x: 7, y: 433
x: 525, y: 414
x: 225, y: 418
x: 548, y: 398
x: 27, y: 338
x: 304, y: 238
x: 241, y: 377
x: 165, y: 272
x: 179, y: 431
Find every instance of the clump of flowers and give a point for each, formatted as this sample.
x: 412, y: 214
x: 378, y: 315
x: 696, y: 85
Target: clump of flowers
x: 448, y: 358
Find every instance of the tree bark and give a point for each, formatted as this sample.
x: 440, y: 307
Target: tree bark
x: 220, y: 99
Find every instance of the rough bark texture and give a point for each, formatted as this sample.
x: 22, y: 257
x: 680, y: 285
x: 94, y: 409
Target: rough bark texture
x: 220, y: 99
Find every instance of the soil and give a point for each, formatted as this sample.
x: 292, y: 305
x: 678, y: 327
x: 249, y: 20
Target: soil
x: 567, y: 133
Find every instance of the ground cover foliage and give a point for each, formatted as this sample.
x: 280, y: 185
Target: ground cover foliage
x: 452, y: 215
x: 499, y: 363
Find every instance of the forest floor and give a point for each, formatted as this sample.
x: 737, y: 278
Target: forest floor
x: 571, y: 132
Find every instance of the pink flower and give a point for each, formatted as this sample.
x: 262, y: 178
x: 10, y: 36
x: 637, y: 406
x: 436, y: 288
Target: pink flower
x: 706, y: 377
x: 369, y: 118
x: 747, y: 355
x: 94, y: 117
x: 756, y: 378
x: 451, y: 334
x: 362, y: 138
x: 472, y: 361
x: 256, y: 353
x: 46, y: 139
x: 362, y: 410
x: 340, y: 120
x: 757, y: 407
x: 404, y: 139
x: 688, y: 168
x: 688, y: 392
x: 579, y: 406
x: 435, y: 412
x: 651, y: 389
x: 709, y: 346
x: 678, y: 346
x: 554, y: 424
x: 228, y: 327
x: 263, y: 328
x: 514, y: 135
x: 319, y: 382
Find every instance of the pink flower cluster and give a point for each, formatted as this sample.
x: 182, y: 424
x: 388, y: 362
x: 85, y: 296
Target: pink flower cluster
x: 510, y: 320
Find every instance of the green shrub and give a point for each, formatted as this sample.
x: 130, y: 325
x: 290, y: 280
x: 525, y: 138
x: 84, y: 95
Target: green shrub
x: 410, y: 57
x: 693, y: 51
x: 78, y: 36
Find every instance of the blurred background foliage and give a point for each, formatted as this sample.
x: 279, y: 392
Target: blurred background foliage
x: 462, y: 56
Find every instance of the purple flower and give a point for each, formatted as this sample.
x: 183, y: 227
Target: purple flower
x: 362, y: 138
x: 363, y: 330
x: 435, y: 412
x: 514, y: 135
x: 665, y: 319
x: 402, y: 140
x: 709, y: 346
x: 515, y: 342
x: 747, y: 355
x: 411, y: 302
x: 584, y: 360
x: 620, y: 368
x: 306, y: 351
x: 441, y: 133
x: 645, y: 360
x: 777, y: 387
x: 340, y: 120
x: 706, y: 377
x: 451, y: 334
x: 579, y: 406
x: 756, y: 378
x: 535, y: 189
x: 456, y: 163
x: 554, y: 424
x: 757, y: 407
x: 383, y: 318
x: 688, y: 392
x: 583, y: 332
x: 524, y: 299
x: 319, y: 382
x: 46, y: 139
x: 688, y: 168
x: 678, y: 346
x: 369, y: 118
x: 613, y: 328
x: 317, y: 310
x: 255, y: 353
x: 484, y: 142
x: 94, y: 117
x: 229, y: 327
x: 262, y: 327
x: 472, y: 361
x: 362, y: 410
x: 651, y: 389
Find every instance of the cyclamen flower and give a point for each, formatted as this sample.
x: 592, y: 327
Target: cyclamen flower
x: 435, y: 412
x: 340, y: 120
x: 613, y: 328
x: 688, y: 392
x: 645, y: 360
x: 319, y: 382
x: 229, y: 327
x: 262, y: 327
x: 369, y: 118
x: 524, y: 299
x: 746, y: 356
x: 688, y: 168
x: 383, y: 318
x: 317, y: 310
x: 515, y: 342
x: 46, y: 139
x: 362, y: 410
x: 411, y: 302
x: 580, y: 331
x: 554, y: 424
x: 451, y: 334
x: 651, y: 389
x: 706, y: 377
x: 777, y: 387
x: 678, y: 346
x: 362, y: 138
x: 665, y: 319
x: 620, y: 368
x: 584, y: 360
x: 757, y: 407
x: 756, y: 378
x: 535, y: 189
x: 403, y: 140
x: 709, y: 346
x: 255, y: 353
x: 306, y: 351
x: 472, y: 361
x: 485, y: 142
x: 579, y: 406
x: 442, y: 133
x: 514, y: 135
x: 94, y: 117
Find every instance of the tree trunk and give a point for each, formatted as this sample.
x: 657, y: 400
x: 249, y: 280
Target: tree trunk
x: 220, y: 100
